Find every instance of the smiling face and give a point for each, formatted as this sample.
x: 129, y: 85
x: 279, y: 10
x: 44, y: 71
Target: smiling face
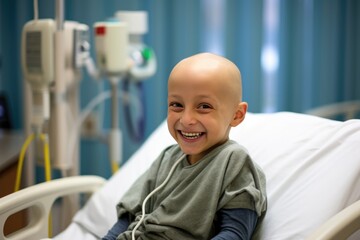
x: 204, y: 102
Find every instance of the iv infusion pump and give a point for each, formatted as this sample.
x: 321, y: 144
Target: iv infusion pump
x: 37, y: 55
x: 37, y: 50
x: 37, y: 60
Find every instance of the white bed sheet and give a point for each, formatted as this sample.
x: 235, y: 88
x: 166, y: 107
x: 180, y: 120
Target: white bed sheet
x: 312, y: 167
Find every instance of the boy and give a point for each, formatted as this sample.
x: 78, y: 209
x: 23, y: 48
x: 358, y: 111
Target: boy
x: 213, y: 190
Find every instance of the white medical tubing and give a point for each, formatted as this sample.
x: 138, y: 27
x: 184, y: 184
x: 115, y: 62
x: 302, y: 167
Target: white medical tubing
x: 76, y: 127
x: 87, y: 110
x: 114, y: 102
x: 91, y: 69
x: 154, y: 191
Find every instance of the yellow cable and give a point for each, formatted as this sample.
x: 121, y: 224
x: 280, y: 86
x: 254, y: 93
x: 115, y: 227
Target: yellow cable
x: 114, y: 167
x: 44, y: 138
x: 47, y: 165
x: 29, y: 139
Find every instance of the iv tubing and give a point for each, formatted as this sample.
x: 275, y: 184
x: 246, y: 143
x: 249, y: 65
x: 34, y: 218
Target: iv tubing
x: 153, y: 192
x: 137, y: 136
x: 90, y: 106
x: 114, y: 104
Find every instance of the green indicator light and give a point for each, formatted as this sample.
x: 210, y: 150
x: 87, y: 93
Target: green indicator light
x: 146, y: 53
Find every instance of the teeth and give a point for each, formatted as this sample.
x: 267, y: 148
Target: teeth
x: 191, y: 135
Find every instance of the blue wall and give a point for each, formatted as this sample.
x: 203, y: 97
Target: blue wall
x: 318, y: 45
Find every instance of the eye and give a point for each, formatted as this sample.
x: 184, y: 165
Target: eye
x: 175, y: 106
x: 205, y: 107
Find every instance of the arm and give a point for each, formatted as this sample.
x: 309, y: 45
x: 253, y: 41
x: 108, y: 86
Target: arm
x: 119, y: 227
x: 237, y: 224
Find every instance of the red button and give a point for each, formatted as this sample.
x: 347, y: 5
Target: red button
x: 100, y: 30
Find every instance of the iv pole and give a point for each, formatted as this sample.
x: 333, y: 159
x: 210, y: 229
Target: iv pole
x: 59, y: 111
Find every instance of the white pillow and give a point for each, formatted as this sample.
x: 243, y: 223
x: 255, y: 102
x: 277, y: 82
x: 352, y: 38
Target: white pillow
x: 312, y: 167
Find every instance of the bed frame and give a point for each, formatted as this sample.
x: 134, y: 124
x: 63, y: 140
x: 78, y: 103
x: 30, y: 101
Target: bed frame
x: 349, y: 110
x: 39, y: 199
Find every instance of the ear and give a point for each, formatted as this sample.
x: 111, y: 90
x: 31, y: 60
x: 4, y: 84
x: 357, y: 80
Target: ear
x: 239, y: 115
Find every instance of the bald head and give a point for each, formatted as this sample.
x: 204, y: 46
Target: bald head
x: 211, y: 67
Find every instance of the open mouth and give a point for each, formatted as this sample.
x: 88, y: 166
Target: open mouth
x: 189, y: 135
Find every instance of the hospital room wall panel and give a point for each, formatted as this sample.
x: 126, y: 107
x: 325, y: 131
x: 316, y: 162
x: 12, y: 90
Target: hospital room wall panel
x: 243, y: 43
x: 318, y: 50
x: 351, y: 88
x: 330, y: 26
x: 297, y: 30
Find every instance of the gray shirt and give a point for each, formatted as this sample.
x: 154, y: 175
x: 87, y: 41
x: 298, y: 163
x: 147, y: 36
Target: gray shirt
x: 186, y: 207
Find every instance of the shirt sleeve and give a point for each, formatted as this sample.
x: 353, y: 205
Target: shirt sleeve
x: 244, y: 185
x: 235, y: 224
x: 119, y: 227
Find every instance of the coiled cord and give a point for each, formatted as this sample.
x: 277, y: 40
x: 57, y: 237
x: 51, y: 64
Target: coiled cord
x: 153, y: 192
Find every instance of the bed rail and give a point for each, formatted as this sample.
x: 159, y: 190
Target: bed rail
x: 340, y: 226
x: 40, y: 199
x: 349, y: 110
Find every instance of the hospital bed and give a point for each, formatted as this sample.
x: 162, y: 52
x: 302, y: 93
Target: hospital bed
x: 312, y: 165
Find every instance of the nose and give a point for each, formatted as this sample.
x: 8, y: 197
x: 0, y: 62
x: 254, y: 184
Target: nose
x: 187, y: 118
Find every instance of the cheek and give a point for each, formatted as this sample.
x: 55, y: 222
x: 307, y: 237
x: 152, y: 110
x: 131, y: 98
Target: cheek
x: 228, y: 117
x: 170, y: 127
x: 171, y: 120
x: 219, y: 124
